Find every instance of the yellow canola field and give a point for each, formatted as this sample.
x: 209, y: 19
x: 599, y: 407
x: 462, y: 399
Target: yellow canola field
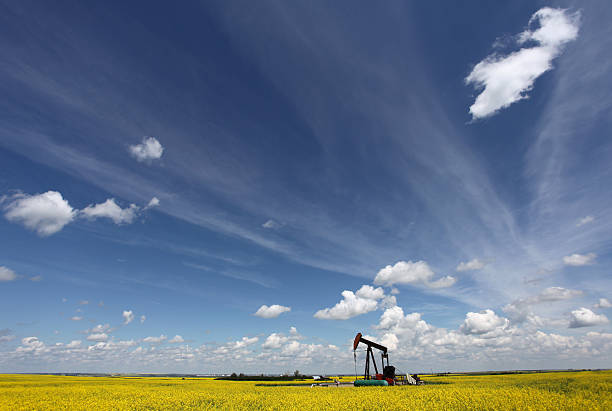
x: 552, y: 391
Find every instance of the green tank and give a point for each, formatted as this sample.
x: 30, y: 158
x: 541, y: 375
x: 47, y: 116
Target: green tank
x: 366, y: 383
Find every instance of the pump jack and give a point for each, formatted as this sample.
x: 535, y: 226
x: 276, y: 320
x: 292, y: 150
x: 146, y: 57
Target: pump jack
x: 388, y: 371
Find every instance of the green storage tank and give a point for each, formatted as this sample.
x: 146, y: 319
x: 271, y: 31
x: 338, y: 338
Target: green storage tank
x: 366, y: 383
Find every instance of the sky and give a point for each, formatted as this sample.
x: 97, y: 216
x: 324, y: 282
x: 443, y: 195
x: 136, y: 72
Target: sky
x: 217, y: 187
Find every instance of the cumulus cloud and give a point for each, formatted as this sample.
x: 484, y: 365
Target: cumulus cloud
x: 74, y: 344
x: 483, y: 323
x: 414, y: 344
x: 234, y: 347
x: 6, y: 274
x: 603, y: 303
x: 277, y: 340
x: 555, y: 294
x: 176, y: 339
x: 155, y: 340
x: 98, y: 337
x: 45, y: 213
x: 128, y: 316
x: 154, y: 202
x: 48, y: 213
x: 5, y: 335
x: 272, y: 311
x: 520, y: 310
x: 352, y: 304
x: 100, y: 328
x: 32, y: 345
x: 585, y: 220
x: 471, y: 265
x: 142, y: 318
x: 110, y: 209
x: 583, y: 317
x: 408, y: 272
x: 76, y: 318
x: 579, y: 259
x: 149, y: 149
x: 274, y: 340
x: 507, y: 79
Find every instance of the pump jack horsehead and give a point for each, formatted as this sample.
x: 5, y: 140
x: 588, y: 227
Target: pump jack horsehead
x: 388, y: 376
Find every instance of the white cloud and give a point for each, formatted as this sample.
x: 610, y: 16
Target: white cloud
x: 471, y: 265
x: 45, y: 213
x: 369, y: 292
x: 98, y: 337
x: 507, y: 79
x: 176, y: 339
x: 520, y: 310
x: 100, y: 328
x: 274, y: 340
x: 154, y: 202
x: 155, y: 340
x: 6, y: 274
x: 556, y: 294
x: 272, y: 311
x: 76, y: 318
x: 277, y: 340
x: 234, y: 347
x: 271, y: 224
x: 110, y: 209
x: 352, y: 304
x: 407, y: 272
x: 142, y: 318
x: 583, y: 317
x: 32, y: 345
x: 74, y: 344
x: 579, y: 259
x: 483, y: 323
x: 585, y: 220
x: 149, y: 149
x: 603, y: 303
x: 244, y: 342
x: 128, y: 316
x: 83, y: 302
x: 444, y: 282
x: 6, y: 336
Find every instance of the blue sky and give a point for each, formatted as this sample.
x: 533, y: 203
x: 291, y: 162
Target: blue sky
x: 220, y: 186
